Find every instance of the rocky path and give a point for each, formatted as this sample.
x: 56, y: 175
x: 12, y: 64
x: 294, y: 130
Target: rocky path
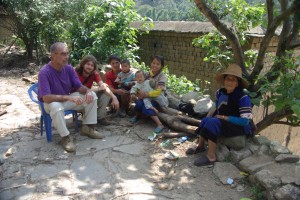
x: 125, y: 165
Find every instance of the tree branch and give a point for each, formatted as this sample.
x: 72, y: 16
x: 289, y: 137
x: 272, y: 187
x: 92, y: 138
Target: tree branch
x: 293, y: 38
x: 270, y: 8
x: 223, y: 29
x: 282, y: 43
x: 286, y: 123
x: 294, y: 46
x: 267, y: 38
x: 273, y: 117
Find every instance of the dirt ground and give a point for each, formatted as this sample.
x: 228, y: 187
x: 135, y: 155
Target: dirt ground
x: 139, y: 173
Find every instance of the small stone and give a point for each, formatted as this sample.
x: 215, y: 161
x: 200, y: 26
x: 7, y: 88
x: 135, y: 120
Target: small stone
x: 9, y: 152
x: 171, y: 173
x: 233, y: 185
x: 163, y: 186
x: 171, y: 186
x: 240, y: 188
x: 152, y: 160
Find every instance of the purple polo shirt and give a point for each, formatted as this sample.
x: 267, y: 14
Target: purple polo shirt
x: 61, y: 82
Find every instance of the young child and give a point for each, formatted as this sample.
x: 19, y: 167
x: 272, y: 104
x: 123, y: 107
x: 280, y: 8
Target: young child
x: 147, y: 86
x: 125, y: 78
x: 110, y: 77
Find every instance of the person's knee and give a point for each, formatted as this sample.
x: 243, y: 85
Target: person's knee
x: 94, y: 95
x: 54, y: 107
x: 139, y: 104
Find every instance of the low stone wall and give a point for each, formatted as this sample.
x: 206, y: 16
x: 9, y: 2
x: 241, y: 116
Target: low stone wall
x: 268, y: 165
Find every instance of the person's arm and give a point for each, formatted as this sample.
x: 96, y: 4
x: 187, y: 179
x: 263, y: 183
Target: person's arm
x: 245, y: 109
x: 110, y: 82
x: 133, y: 93
x: 118, y: 79
x: 62, y: 98
x: 238, y: 120
x: 161, y: 81
x: 87, y: 92
x: 211, y: 111
x: 56, y: 98
x: 130, y: 80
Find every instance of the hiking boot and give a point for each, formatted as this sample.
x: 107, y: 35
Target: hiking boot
x: 121, y: 114
x: 67, y: 143
x: 104, y: 122
x: 89, y: 130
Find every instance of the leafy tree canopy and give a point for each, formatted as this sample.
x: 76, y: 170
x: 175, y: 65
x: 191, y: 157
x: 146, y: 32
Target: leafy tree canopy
x: 169, y: 10
x: 98, y: 27
x: 103, y: 29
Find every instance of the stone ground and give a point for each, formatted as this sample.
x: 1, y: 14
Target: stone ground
x: 124, y: 165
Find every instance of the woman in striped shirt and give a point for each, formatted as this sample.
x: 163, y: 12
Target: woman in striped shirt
x: 230, y: 117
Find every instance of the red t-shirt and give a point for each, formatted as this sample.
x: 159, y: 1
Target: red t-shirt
x: 110, y: 78
x: 93, y: 77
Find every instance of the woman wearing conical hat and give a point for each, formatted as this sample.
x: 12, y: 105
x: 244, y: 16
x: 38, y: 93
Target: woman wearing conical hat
x: 231, y: 116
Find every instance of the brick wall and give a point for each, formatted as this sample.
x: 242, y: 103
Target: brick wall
x: 180, y: 55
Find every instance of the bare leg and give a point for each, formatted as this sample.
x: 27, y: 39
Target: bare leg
x: 211, y: 152
x: 125, y: 101
x: 201, y: 142
x: 157, y: 121
x: 154, y: 109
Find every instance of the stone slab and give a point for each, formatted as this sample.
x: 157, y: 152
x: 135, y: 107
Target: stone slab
x: 88, y: 145
x: 255, y: 163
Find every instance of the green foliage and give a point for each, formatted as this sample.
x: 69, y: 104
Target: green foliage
x: 140, y: 66
x: 216, y: 47
x: 180, y: 85
x: 284, y: 92
x: 103, y: 29
x: 257, y: 192
x: 34, y: 21
x: 242, y: 17
x: 169, y: 10
x: 228, y: 158
x: 250, y: 57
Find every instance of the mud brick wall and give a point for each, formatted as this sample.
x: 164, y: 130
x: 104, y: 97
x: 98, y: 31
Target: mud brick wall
x: 181, y: 57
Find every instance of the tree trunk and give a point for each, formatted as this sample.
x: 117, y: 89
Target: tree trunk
x: 178, y: 122
x: 29, y: 49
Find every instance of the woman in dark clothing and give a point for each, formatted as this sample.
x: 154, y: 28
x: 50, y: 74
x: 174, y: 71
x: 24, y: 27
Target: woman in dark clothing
x: 231, y: 116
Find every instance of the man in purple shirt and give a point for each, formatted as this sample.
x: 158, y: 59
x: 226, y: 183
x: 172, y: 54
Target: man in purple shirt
x: 56, y: 80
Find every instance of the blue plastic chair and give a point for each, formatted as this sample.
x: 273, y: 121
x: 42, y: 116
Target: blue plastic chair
x: 45, y: 117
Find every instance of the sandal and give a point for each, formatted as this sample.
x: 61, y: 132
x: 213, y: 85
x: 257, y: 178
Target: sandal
x: 158, y: 129
x: 134, y: 120
x: 203, y: 161
x: 191, y: 151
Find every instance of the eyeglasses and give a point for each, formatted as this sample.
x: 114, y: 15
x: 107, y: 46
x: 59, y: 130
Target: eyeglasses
x: 63, y: 53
